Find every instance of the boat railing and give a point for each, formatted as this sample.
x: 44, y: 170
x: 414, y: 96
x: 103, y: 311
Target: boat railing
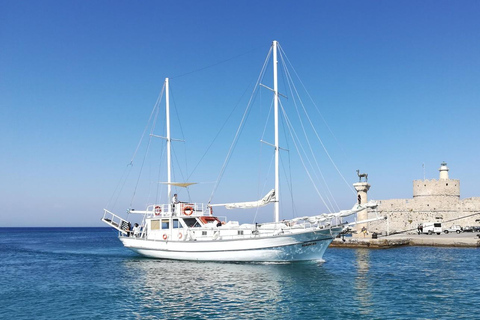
x: 187, y: 208
x: 115, y: 221
x: 179, y: 209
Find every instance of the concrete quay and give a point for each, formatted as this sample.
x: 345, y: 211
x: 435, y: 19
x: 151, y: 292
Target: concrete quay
x: 467, y: 239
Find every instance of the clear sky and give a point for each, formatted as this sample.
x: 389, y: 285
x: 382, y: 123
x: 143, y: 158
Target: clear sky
x: 396, y: 81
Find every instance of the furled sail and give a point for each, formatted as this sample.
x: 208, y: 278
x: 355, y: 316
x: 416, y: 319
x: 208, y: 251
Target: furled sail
x: 270, y: 197
x: 179, y: 184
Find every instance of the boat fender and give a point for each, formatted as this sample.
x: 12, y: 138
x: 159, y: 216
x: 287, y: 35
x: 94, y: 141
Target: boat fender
x: 180, y: 235
x: 165, y: 236
x: 158, y: 210
x: 188, y: 211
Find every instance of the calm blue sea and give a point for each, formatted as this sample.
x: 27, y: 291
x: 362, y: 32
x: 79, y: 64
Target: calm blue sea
x: 85, y: 273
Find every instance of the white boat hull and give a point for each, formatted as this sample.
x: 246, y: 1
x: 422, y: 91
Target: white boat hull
x: 302, y: 246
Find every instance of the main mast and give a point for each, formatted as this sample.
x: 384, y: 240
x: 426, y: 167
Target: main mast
x: 169, y: 141
x: 277, y: 148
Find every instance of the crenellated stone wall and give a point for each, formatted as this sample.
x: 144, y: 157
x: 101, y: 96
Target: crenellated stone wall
x: 442, y: 187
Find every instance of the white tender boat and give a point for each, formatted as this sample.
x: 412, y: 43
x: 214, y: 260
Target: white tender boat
x: 189, y: 231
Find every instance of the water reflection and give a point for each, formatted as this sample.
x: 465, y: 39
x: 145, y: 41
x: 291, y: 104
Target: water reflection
x: 363, y: 287
x: 183, y: 287
x: 180, y: 289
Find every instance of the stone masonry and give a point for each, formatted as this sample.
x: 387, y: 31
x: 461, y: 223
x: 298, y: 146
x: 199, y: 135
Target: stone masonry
x: 433, y: 201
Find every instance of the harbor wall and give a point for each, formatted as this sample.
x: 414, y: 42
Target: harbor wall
x: 406, y: 214
x: 433, y: 201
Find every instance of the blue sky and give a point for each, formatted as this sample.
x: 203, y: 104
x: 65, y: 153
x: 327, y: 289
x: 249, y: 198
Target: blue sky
x: 396, y: 81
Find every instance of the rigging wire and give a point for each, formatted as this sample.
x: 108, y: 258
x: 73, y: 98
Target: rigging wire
x: 181, y: 130
x: 265, y: 183
x: 260, y: 192
x: 155, y: 107
x: 126, y: 174
x: 240, y: 128
x: 218, y: 133
x: 217, y: 63
x: 290, y: 184
x: 146, y: 151
x: 294, y: 138
x: 323, y: 119
x: 295, y: 93
x: 288, y: 177
x: 122, y: 181
x: 160, y: 186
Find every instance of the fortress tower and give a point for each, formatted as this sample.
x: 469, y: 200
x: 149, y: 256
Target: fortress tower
x: 443, y: 187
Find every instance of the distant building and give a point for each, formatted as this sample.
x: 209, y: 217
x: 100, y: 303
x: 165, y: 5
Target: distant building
x: 433, y: 201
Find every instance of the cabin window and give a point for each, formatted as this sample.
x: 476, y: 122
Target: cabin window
x: 240, y: 232
x: 176, y: 224
x: 204, y: 233
x: 165, y: 224
x: 191, y: 222
x: 155, y: 225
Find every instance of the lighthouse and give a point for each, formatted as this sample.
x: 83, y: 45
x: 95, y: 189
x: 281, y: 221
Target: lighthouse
x: 443, y: 171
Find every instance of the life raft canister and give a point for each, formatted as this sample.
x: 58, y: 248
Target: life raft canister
x: 158, y: 210
x: 188, y: 211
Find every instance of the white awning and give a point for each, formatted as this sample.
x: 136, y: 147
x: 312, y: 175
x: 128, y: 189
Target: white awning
x: 270, y: 197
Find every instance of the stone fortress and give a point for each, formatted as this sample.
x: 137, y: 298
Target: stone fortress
x: 433, y: 201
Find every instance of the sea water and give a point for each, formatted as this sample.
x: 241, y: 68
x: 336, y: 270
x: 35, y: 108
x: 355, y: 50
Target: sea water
x: 85, y: 273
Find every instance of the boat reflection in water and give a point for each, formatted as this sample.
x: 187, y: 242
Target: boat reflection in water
x: 176, y: 289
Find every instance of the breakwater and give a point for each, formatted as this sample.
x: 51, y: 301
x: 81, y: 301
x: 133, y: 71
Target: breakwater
x: 469, y: 240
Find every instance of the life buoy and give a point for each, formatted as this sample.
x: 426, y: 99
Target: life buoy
x: 158, y: 210
x: 188, y: 211
x: 211, y: 211
x: 165, y: 236
x: 180, y: 235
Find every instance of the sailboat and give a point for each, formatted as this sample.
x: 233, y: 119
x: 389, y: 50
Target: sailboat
x: 190, y: 231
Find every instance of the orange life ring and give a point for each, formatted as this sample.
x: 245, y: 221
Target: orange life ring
x: 165, y: 236
x: 180, y: 235
x: 158, y: 210
x: 188, y: 211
